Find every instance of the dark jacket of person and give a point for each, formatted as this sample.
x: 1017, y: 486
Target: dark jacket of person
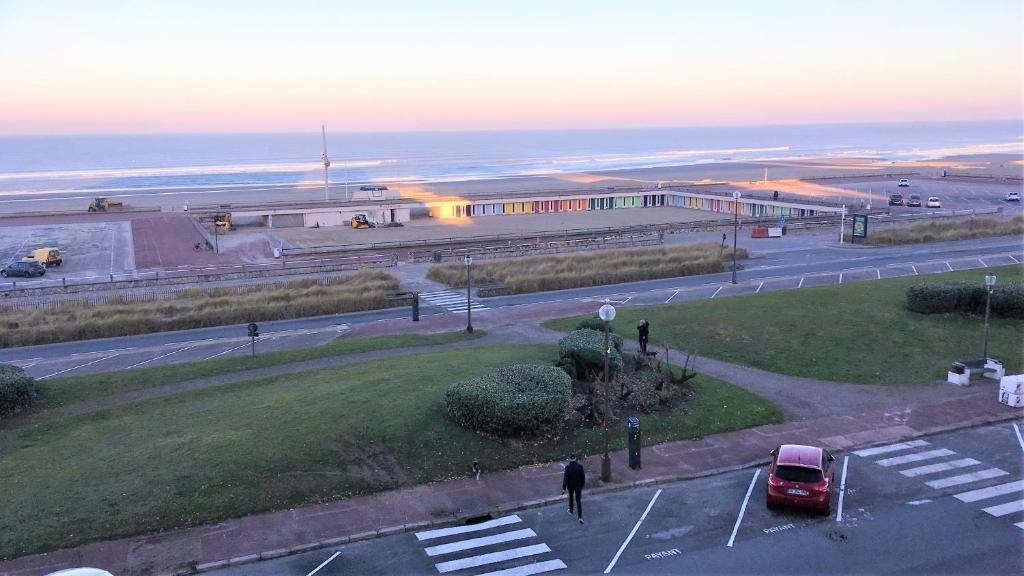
x: 574, y: 478
x: 644, y: 330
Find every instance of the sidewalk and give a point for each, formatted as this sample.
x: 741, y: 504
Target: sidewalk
x: 274, y: 534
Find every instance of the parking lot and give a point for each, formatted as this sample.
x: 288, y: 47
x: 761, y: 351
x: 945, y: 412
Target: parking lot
x: 89, y: 250
x: 954, y: 194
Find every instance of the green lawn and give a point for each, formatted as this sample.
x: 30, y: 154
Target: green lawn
x: 857, y: 332
x: 283, y: 441
x: 61, y: 391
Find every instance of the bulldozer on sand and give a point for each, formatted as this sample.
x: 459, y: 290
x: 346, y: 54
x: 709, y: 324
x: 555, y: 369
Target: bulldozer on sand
x: 101, y: 204
x: 360, y: 221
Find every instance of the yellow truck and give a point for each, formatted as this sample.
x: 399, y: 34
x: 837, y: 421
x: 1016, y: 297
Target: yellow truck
x: 46, y: 256
x: 101, y: 204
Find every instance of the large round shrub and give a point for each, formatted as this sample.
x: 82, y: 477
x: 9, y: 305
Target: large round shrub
x: 517, y: 400
x: 584, y: 349
x: 17, y: 389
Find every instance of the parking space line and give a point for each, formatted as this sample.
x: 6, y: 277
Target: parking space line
x: 672, y: 296
x: 891, y: 448
x: 430, y: 534
x: 716, y: 292
x: 801, y: 284
x: 759, y: 286
x: 915, y: 457
x: 840, y: 277
x: 879, y: 272
x: 983, y: 265
x: 743, y: 508
x: 842, y: 490
x: 76, y: 367
x: 232, y: 349
x: 161, y: 356
x: 1019, y: 439
x: 637, y: 527
x: 1014, y: 259
x: 948, y: 266
x: 965, y: 478
x: 325, y: 563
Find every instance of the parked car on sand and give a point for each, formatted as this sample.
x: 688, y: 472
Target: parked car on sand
x: 24, y: 268
x: 934, y: 202
x: 914, y: 201
x: 896, y: 200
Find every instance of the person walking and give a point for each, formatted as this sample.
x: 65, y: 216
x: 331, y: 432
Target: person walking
x: 574, y: 479
x: 644, y: 330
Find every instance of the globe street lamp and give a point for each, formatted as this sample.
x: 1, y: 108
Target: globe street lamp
x: 735, y: 229
x: 990, y: 283
x: 607, y: 314
x: 469, y: 287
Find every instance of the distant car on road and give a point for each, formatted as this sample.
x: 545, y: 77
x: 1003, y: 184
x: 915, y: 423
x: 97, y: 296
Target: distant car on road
x: 373, y: 188
x: 24, y: 268
x: 904, y: 183
x: 896, y: 200
x: 934, y: 202
x: 1013, y: 196
x: 915, y: 200
x: 801, y: 476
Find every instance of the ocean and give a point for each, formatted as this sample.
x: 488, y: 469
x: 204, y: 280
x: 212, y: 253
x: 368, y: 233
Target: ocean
x: 119, y: 162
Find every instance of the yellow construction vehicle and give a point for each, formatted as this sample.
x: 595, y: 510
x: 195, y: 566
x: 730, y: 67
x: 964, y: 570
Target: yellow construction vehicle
x: 223, y: 220
x: 103, y: 205
x: 360, y: 221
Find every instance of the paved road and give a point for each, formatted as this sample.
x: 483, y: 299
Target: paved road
x: 951, y: 504
x: 774, y: 271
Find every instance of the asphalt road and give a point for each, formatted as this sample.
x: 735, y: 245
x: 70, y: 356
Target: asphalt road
x: 947, y: 504
x: 785, y: 270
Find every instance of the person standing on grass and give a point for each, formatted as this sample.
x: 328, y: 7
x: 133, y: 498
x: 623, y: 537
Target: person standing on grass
x: 574, y: 479
x: 643, y: 329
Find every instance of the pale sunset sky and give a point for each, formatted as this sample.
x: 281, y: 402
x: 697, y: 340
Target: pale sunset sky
x: 95, y: 66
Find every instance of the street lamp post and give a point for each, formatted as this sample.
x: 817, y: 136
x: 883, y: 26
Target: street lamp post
x: 607, y: 314
x: 990, y: 283
x: 469, y: 288
x: 735, y: 229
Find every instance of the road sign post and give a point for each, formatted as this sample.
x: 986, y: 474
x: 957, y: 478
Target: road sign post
x: 254, y: 332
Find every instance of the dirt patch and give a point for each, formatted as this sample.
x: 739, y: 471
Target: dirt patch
x: 368, y: 462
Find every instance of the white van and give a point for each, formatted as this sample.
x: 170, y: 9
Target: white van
x: 904, y: 183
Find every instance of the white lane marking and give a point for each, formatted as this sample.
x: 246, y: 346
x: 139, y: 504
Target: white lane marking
x: 948, y: 266
x: 430, y: 534
x: 915, y: 457
x: 672, y: 296
x: 529, y: 569
x: 478, y: 542
x: 627, y: 300
x: 891, y: 448
x: 1019, y: 439
x: 759, y: 286
x: 840, y: 277
x: 801, y: 284
x: 991, y: 492
x: 325, y: 563
x: 716, y: 292
x: 161, y: 356
x: 965, y: 478
x: 1014, y: 259
x: 914, y: 268
x: 743, y: 508
x: 919, y: 502
x: 879, y: 272
x: 102, y: 351
x: 76, y: 367
x: 842, y: 490
x: 983, y: 265
x: 1004, y: 509
x: 113, y: 241
x: 940, y: 467
x: 474, y: 561
x: 633, y: 532
x: 232, y: 349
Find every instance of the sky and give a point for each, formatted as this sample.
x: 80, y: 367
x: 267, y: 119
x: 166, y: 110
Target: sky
x: 105, y: 66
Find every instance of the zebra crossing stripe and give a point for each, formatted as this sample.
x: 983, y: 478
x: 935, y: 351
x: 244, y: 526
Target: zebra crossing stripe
x: 915, y: 457
x: 478, y: 542
x: 991, y: 492
x: 890, y: 448
x: 965, y: 478
x: 441, y: 532
x: 483, y: 559
x: 529, y: 569
x: 940, y: 467
x: 1004, y: 509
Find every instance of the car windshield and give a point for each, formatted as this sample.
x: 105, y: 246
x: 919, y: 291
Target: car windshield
x: 798, y: 474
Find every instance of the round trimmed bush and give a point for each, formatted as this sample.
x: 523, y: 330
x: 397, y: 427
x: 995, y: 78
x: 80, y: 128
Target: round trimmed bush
x: 585, y: 350
x: 517, y: 400
x: 17, y: 389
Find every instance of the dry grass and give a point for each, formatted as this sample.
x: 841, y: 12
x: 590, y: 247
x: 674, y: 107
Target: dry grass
x: 196, y: 308
x: 946, y: 230
x: 540, y: 273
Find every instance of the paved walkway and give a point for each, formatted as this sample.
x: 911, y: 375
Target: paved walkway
x: 837, y: 416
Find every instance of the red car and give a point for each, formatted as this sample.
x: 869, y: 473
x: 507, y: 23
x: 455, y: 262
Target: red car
x: 800, y: 476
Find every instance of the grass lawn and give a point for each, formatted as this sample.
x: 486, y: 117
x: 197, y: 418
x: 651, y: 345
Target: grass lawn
x: 61, y: 391
x: 857, y: 332
x: 283, y: 441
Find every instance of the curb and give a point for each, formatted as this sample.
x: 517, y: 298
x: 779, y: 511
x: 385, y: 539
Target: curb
x: 540, y: 502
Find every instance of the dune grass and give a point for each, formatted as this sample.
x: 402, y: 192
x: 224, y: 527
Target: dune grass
x: 859, y: 332
x: 71, y: 389
x: 284, y: 441
x: 945, y: 230
x: 196, y: 308
x: 540, y: 273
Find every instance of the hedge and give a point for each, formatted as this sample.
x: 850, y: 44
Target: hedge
x: 517, y: 400
x: 584, y: 350
x: 17, y: 389
x: 965, y: 297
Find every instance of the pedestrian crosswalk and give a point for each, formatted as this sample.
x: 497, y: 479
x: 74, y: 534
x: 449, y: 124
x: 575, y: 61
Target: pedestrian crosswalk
x: 999, y: 499
x: 451, y: 301
x: 497, y: 546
